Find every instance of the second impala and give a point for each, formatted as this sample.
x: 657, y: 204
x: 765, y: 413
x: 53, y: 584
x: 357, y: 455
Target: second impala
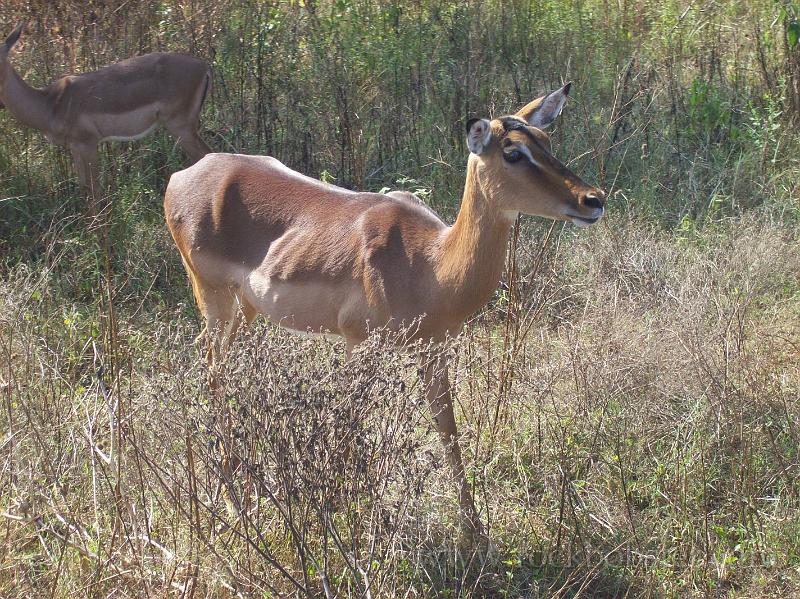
x: 122, y: 101
x: 258, y: 237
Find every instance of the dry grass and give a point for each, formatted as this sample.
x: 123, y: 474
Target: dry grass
x: 632, y: 430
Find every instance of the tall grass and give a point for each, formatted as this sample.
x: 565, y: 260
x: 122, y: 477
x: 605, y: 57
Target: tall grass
x: 628, y: 400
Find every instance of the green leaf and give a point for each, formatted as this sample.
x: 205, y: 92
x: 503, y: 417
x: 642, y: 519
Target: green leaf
x: 793, y: 33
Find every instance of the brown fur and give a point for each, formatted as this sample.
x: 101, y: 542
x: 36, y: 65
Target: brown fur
x: 257, y: 237
x: 316, y: 257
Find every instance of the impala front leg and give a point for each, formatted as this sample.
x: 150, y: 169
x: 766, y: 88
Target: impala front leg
x: 440, y: 400
x: 85, y: 157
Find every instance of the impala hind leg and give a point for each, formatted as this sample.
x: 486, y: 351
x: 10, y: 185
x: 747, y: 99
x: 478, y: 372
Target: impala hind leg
x: 219, y: 309
x: 223, y: 312
x: 183, y: 124
x: 440, y: 400
x: 85, y: 158
x: 185, y: 133
x: 245, y: 314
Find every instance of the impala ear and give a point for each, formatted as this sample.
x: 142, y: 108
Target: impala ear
x: 479, y: 134
x: 543, y: 111
x: 14, y: 36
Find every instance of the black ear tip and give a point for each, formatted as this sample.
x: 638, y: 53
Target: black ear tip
x: 566, y: 87
x: 471, y: 122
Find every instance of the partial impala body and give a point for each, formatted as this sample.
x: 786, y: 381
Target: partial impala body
x: 123, y: 101
x: 257, y: 237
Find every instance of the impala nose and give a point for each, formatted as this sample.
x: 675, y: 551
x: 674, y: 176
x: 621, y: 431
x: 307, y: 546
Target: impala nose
x: 593, y: 199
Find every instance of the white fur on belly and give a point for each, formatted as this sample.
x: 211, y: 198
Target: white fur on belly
x: 130, y: 138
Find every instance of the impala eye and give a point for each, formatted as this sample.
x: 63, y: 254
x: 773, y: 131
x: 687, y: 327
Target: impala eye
x: 512, y: 156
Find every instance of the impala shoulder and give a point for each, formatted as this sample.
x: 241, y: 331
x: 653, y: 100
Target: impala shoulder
x: 397, y: 227
x: 59, y: 88
x: 415, y: 202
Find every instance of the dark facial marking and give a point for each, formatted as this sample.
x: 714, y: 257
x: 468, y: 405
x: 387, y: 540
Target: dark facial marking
x: 470, y: 123
x: 511, y: 123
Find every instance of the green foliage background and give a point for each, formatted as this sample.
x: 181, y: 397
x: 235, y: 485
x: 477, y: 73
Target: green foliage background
x: 673, y: 101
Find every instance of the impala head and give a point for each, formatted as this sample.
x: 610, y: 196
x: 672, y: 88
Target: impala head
x: 5, y: 50
x: 514, y: 160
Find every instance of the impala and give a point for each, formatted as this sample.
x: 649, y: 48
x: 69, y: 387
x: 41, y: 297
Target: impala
x: 123, y: 101
x: 258, y: 237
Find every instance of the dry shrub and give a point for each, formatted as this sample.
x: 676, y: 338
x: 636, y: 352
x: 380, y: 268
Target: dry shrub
x: 326, y: 462
x: 650, y: 422
x: 629, y: 409
x: 123, y: 485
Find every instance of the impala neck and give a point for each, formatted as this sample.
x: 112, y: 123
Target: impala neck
x: 27, y: 104
x: 473, y: 252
